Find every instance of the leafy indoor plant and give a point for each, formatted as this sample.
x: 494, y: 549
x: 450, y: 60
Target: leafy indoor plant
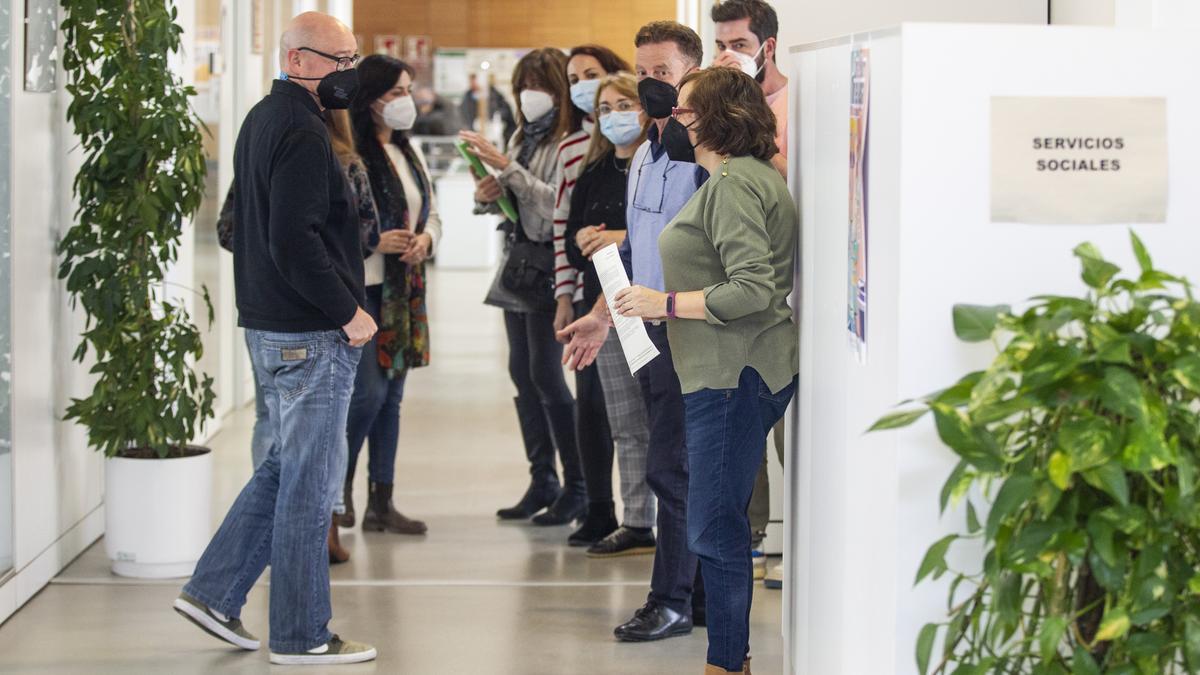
x: 142, y: 176
x: 1083, y: 437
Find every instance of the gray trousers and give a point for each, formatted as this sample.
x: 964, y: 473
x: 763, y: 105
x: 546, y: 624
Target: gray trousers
x: 630, y: 432
x: 760, y: 501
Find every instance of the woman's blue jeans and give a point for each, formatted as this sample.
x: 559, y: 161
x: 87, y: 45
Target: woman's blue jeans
x: 726, y: 437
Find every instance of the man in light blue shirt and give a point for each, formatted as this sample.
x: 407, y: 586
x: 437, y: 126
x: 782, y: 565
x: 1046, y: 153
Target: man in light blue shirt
x: 658, y: 189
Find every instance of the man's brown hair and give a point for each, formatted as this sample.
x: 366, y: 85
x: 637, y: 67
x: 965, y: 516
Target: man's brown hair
x: 657, y: 32
x: 764, y: 22
x: 732, y: 115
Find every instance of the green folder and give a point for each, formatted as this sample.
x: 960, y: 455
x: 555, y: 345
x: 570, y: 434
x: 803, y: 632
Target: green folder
x: 506, y: 206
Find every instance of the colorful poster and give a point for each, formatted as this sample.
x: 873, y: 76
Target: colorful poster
x: 857, y: 247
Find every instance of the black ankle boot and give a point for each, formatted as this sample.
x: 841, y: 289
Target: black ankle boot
x: 537, y: 497
x: 570, y: 506
x: 600, y: 522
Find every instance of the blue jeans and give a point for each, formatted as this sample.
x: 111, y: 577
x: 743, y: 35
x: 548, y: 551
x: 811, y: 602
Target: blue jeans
x: 260, y: 441
x: 374, y: 411
x: 281, y: 517
x: 726, y: 438
x: 263, y: 438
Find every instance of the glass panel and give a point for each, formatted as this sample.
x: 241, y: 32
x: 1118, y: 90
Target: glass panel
x: 6, y: 477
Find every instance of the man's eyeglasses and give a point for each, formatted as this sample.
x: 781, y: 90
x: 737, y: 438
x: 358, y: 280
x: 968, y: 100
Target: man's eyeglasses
x: 343, y: 62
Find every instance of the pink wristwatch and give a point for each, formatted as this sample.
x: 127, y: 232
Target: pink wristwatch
x: 671, y: 305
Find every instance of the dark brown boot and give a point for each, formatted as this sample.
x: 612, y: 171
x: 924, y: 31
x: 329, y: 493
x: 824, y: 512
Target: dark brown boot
x: 381, y: 516
x: 347, y: 519
x: 337, y: 554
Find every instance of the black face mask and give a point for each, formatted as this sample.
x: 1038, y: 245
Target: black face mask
x: 336, y: 89
x: 657, y: 98
x: 675, y: 141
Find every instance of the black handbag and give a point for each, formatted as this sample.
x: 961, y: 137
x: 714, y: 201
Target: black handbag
x: 528, y: 271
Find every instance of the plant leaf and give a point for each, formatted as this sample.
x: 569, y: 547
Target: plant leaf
x: 1191, y: 643
x: 1059, y: 469
x: 973, y: 525
x: 1097, y: 271
x: 925, y: 646
x: 1114, y: 625
x: 1122, y: 393
x: 899, y: 419
x: 976, y: 323
x: 1139, y: 250
x: 1186, y: 371
x: 1051, y: 636
x: 1112, y: 480
x: 935, y: 558
x: 1015, y: 493
x: 1082, y: 663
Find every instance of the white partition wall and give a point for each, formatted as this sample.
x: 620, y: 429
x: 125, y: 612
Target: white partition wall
x: 864, y: 508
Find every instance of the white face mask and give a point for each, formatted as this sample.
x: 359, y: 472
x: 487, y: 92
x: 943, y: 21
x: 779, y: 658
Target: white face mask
x: 535, y: 104
x: 400, y: 113
x: 748, y: 64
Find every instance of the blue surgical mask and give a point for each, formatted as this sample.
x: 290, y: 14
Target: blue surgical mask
x: 583, y: 95
x: 622, y: 128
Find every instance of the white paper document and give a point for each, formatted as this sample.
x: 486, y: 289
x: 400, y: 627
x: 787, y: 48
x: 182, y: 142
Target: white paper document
x: 639, y: 350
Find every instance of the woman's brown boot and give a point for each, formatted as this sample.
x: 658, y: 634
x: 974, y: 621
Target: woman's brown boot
x: 710, y: 669
x: 381, y: 516
x: 337, y: 553
x: 746, y: 667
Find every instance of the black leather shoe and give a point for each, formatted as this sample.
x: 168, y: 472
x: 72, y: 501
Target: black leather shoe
x: 653, y: 622
x: 599, y: 523
x: 625, y: 541
x: 569, y: 507
x: 536, y: 498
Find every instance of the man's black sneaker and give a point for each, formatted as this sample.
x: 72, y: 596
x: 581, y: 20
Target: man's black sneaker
x: 624, y: 541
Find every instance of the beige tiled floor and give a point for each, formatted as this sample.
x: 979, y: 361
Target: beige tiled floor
x: 474, y: 596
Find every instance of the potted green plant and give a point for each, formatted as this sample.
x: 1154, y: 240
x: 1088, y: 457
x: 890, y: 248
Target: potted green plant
x: 1083, y: 439
x: 142, y: 176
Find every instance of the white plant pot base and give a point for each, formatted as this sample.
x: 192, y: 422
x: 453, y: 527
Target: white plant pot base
x: 158, y: 515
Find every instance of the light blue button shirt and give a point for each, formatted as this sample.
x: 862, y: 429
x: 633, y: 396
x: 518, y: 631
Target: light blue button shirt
x: 657, y: 190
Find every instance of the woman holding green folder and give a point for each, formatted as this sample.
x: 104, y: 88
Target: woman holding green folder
x: 526, y: 175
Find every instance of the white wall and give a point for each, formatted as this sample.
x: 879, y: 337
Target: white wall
x: 866, y: 504
x: 58, y: 482
x: 804, y: 21
x: 1127, y: 13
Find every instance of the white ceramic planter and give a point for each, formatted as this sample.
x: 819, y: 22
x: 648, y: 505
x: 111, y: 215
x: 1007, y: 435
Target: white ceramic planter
x: 158, y: 515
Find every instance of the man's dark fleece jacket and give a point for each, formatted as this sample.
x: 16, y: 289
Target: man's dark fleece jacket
x: 297, y: 257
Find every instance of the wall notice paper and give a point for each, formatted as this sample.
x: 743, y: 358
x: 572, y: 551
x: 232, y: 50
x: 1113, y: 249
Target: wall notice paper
x: 1079, y: 160
x: 856, y: 249
x: 639, y: 350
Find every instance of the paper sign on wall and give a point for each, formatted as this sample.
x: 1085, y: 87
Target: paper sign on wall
x: 1079, y: 160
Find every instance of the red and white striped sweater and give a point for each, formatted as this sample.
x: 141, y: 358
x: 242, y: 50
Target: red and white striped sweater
x: 568, y: 280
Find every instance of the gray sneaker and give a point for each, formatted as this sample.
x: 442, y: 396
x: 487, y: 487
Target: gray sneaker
x: 214, y: 623
x: 334, y: 652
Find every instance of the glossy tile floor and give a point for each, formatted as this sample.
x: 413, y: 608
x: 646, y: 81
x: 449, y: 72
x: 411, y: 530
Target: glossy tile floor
x: 473, y: 596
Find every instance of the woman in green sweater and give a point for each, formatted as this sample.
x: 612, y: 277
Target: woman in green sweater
x: 728, y: 264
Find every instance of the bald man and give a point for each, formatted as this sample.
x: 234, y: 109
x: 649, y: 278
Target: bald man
x: 298, y: 273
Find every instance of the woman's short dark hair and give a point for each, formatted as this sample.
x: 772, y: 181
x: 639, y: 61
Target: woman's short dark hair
x: 732, y: 115
x: 609, y: 60
x: 546, y: 69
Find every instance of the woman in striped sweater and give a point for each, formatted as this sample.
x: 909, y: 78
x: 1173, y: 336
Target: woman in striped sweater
x: 586, y: 66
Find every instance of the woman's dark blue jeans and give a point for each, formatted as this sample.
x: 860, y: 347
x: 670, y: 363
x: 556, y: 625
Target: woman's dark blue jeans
x: 374, y: 409
x: 726, y: 437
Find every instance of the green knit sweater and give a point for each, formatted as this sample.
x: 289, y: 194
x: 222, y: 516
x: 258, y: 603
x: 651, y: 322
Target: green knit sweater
x: 736, y: 241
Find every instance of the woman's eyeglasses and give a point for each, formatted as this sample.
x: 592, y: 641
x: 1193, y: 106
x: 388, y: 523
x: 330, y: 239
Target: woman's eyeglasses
x: 676, y: 112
